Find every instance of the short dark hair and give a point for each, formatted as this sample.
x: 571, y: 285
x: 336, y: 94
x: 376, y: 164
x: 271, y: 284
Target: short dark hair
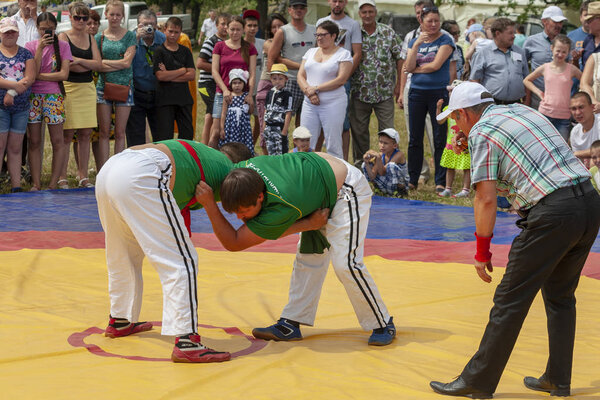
x: 595, y: 145
x: 174, y: 21
x: 447, y: 24
x: 585, y: 95
x: 584, y: 6
x: 330, y: 27
x: 500, y: 25
x: 236, y: 152
x: 224, y: 16
x: 425, y: 3
x: 94, y: 15
x: 241, y: 188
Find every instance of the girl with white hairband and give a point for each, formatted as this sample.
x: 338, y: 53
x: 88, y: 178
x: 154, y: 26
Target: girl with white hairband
x: 235, y: 116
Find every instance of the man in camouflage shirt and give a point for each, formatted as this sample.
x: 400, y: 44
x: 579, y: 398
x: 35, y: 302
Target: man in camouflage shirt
x: 374, y: 86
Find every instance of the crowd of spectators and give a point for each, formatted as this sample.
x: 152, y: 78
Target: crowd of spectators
x: 331, y: 76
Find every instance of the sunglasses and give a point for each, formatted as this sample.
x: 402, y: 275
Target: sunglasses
x: 81, y: 18
x: 427, y: 10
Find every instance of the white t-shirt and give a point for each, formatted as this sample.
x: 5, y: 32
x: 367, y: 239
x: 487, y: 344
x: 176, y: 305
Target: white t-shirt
x: 321, y: 72
x: 581, y: 140
x: 27, y: 30
x: 349, y: 31
x: 209, y: 28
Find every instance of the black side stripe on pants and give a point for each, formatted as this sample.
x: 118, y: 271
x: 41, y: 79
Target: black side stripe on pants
x: 178, y: 234
x: 354, y: 237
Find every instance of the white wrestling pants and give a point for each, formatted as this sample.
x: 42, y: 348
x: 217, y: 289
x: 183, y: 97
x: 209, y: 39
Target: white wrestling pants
x: 140, y: 217
x: 346, y: 230
x: 329, y: 116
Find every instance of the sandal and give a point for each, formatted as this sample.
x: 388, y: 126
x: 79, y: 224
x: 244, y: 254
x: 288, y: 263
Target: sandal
x: 462, y: 193
x: 87, y: 183
x: 62, y: 184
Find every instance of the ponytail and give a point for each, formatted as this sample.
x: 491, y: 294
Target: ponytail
x: 61, y: 85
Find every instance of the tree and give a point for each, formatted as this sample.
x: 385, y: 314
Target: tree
x: 533, y: 7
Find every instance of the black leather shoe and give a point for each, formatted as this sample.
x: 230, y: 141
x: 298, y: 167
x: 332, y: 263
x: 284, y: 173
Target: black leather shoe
x: 459, y: 388
x: 542, y: 384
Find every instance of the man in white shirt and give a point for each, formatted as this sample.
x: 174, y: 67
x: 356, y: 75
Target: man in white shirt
x: 587, y: 130
x: 209, y: 27
x: 26, y: 20
x: 351, y: 39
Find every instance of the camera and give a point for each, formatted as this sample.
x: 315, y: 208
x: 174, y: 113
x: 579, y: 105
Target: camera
x: 148, y: 29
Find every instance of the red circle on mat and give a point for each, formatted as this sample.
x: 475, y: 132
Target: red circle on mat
x: 77, y: 339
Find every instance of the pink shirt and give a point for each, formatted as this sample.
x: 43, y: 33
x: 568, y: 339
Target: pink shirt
x: 49, y: 65
x: 231, y: 59
x: 557, y: 96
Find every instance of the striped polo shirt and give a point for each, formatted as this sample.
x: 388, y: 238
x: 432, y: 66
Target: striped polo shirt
x: 520, y: 149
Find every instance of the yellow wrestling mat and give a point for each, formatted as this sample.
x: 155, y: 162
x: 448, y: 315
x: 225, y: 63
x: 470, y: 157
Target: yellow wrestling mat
x: 55, y: 305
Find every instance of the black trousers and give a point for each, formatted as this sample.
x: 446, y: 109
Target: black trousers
x: 549, y: 254
x: 167, y: 115
x: 144, y: 107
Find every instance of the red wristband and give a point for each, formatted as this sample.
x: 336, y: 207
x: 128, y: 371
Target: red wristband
x: 483, y: 248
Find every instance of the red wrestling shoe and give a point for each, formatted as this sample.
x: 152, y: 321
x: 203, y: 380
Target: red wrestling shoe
x: 188, y: 349
x: 119, y: 327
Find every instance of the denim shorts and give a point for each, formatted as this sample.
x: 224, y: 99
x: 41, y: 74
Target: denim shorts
x: 100, y: 98
x: 218, y: 105
x: 15, y: 122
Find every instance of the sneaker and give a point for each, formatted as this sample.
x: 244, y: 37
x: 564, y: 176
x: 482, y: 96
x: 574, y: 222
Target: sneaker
x: 121, y: 327
x: 188, y: 349
x: 445, y: 193
x: 283, y: 330
x: 462, y: 193
x: 383, y: 336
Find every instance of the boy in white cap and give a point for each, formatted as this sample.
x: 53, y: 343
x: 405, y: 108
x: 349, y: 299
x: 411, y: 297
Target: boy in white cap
x: 278, y: 111
x: 301, y: 137
x: 387, y: 169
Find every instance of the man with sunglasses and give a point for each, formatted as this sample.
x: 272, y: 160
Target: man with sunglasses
x: 290, y: 43
x: 144, y: 81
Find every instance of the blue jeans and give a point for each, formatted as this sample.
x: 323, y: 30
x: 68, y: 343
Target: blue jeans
x: 563, y: 126
x: 421, y: 102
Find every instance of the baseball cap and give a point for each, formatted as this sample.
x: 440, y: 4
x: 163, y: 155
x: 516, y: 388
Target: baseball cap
x: 278, y: 69
x: 593, y: 10
x: 473, y: 28
x: 467, y: 94
x: 363, y: 2
x: 238, y: 73
x: 554, y: 13
x: 8, y: 24
x: 301, y: 132
x: 252, y: 14
x: 298, y: 3
x: 391, y: 133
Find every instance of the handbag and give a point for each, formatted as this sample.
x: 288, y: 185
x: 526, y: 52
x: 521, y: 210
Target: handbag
x: 114, y: 91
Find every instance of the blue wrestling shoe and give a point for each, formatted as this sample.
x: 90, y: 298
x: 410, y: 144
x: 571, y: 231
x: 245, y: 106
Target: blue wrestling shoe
x: 383, y: 336
x: 283, y: 330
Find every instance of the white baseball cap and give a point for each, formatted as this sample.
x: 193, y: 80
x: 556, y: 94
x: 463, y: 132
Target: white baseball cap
x: 391, y: 133
x: 363, y: 2
x: 554, y: 13
x: 301, y: 132
x: 467, y: 94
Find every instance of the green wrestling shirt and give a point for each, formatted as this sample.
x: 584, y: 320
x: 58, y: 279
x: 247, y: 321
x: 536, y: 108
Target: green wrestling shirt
x: 215, y: 164
x: 297, y: 184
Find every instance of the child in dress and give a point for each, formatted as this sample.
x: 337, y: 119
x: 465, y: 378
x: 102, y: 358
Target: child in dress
x: 301, y: 137
x: 558, y: 80
x: 387, y: 169
x: 595, y: 151
x: 235, y: 117
x: 452, y: 161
